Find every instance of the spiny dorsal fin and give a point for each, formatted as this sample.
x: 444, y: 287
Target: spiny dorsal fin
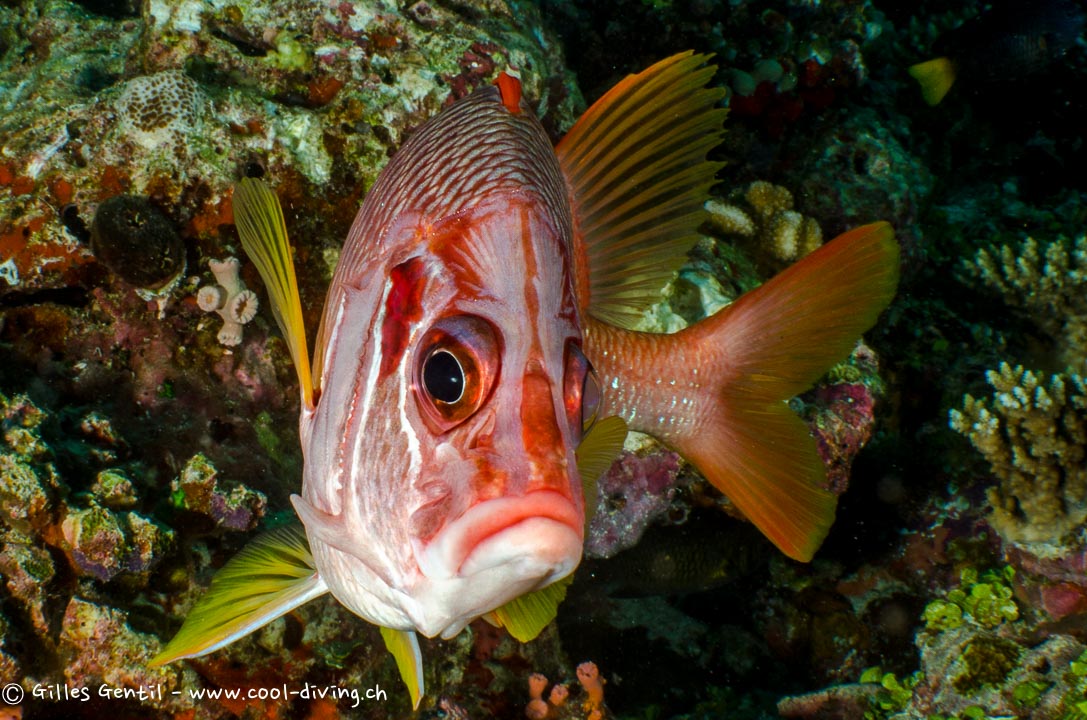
x: 264, y: 237
x: 638, y: 175
x: 270, y: 577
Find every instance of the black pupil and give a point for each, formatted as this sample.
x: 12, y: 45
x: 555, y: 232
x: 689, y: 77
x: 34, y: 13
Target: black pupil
x: 443, y: 377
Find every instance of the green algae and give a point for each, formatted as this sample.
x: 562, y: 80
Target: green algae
x: 894, y: 694
x: 984, y: 600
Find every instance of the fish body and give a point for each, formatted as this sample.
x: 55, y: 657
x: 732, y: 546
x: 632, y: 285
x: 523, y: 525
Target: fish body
x: 434, y: 512
x: 453, y: 425
x: 1012, y: 40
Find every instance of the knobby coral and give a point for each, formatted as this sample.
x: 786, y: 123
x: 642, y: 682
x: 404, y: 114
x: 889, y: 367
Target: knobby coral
x: 765, y: 214
x: 1033, y: 432
x: 1048, y: 282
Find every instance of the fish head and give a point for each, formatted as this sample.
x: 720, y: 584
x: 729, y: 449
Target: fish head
x: 440, y: 478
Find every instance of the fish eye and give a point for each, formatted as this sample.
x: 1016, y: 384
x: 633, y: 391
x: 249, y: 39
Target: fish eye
x: 443, y: 376
x: 582, y: 394
x: 459, y: 361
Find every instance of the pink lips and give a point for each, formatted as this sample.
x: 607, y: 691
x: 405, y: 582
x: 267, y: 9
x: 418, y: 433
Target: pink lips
x: 555, y: 529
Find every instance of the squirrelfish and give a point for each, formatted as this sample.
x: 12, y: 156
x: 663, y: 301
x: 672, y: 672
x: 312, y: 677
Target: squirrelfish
x: 475, y: 371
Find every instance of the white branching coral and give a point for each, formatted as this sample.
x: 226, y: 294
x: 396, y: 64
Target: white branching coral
x: 234, y: 303
x: 1049, y: 282
x: 1033, y: 432
x: 765, y: 214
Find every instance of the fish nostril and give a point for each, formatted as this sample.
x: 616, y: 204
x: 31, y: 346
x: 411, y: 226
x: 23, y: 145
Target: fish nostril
x: 481, y: 433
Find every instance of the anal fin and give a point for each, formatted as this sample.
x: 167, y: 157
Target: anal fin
x: 404, y: 646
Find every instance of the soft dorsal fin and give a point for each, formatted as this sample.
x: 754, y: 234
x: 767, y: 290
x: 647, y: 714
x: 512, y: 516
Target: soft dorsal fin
x: 264, y: 237
x: 638, y: 175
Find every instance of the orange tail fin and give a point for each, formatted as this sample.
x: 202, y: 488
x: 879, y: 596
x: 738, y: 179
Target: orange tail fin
x: 729, y: 416
x: 779, y: 339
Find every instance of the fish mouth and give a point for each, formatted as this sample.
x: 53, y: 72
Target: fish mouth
x: 539, y: 534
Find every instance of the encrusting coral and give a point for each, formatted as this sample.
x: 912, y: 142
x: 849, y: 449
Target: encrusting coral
x: 235, y: 304
x: 766, y: 215
x: 1033, y: 432
x: 160, y: 109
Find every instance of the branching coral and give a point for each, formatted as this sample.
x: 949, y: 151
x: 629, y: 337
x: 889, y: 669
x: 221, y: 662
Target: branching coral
x: 1033, y: 432
x: 1049, y: 282
x: 229, y: 298
x: 766, y: 215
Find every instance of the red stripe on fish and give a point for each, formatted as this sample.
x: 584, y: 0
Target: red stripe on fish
x: 403, y: 308
x: 510, y: 87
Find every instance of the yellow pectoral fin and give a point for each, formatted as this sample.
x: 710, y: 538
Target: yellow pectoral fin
x: 935, y: 76
x: 404, y: 645
x: 270, y: 577
x: 525, y: 617
x: 263, y: 233
x: 597, y: 451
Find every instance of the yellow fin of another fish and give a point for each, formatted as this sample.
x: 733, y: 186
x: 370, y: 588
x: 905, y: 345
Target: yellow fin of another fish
x: 263, y: 233
x: 270, y: 577
x: 525, y: 617
x: 636, y: 164
x: 404, y: 645
x: 935, y: 76
x: 597, y: 451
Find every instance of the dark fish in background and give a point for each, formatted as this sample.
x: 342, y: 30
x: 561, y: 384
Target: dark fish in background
x: 1010, y: 41
x: 700, y: 555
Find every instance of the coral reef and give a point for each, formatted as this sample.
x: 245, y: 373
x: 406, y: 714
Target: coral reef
x: 139, y: 448
x: 197, y: 490
x: 637, y: 490
x: 588, y: 704
x: 161, y: 110
x: 1033, y: 432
